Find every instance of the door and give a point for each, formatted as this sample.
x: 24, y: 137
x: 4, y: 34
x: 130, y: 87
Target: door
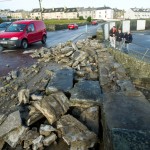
x: 32, y: 37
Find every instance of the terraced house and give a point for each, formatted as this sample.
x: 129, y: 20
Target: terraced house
x: 137, y: 13
x: 55, y: 13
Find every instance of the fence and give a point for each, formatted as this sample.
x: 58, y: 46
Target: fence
x: 135, y: 50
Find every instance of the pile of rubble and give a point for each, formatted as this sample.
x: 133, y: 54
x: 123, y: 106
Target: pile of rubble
x: 50, y: 105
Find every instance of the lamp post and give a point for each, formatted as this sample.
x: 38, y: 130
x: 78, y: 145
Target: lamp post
x: 41, y: 9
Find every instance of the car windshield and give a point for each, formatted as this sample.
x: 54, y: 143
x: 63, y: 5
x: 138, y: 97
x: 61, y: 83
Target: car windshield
x: 16, y: 27
x: 4, y: 25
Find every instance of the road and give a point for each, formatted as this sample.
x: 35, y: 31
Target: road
x: 14, y: 58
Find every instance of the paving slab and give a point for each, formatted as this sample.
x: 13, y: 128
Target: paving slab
x: 125, y: 122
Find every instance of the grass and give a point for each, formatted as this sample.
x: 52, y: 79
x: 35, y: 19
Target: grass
x: 63, y: 21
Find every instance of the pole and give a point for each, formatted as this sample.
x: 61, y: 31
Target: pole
x: 41, y: 9
x: 86, y: 28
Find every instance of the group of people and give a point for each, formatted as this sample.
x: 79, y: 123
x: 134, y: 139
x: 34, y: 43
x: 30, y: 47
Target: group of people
x: 118, y: 39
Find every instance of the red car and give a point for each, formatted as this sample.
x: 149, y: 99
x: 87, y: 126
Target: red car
x: 22, y: 33
x: 94, y: 22
x: 73, y: 26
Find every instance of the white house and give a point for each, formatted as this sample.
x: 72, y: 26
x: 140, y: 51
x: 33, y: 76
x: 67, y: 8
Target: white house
x: 137, y: 13
x: 104, y: 13
x: 86, y: 12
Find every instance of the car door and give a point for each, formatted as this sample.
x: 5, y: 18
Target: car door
x: 31, y: 31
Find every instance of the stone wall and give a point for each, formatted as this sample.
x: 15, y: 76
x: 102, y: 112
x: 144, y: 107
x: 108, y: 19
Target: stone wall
x: 53, y: 27
x: 136, y: 68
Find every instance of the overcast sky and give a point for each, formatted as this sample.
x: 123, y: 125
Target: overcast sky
x: 30, y: 4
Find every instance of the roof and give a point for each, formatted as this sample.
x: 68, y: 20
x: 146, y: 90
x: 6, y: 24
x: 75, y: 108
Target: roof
x: 48, y: 10
x: 68, y: 10
x: 140, y: 9
x: 86, y: 9
x: 59, y: 9
x: 102, y: 8
x: 35, y: 10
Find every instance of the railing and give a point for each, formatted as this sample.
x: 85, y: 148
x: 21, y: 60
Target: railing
x: 135, y: 50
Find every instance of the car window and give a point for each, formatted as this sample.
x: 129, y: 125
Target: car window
x: 31, y: 27
x: 16, y: 28
x: 3, y: 25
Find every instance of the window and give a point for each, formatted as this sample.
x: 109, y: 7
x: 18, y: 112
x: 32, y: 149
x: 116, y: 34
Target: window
x: 31, y: 28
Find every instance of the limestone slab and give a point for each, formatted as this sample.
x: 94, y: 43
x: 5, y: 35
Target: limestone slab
x: 12, y: 122
x: 62, y: 80
x: 75, y: 133
x: 125, y: 122
x: 86, y: 91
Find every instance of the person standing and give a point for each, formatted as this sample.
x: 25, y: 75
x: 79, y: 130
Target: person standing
x: 128, y: 39
x: 119, y: 39
x: 112, y: 36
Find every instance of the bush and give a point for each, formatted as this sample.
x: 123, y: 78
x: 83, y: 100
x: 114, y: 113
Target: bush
x: 37, y: 18
x: 1, y: 20
x: 89, y: 19
x: 147, y: 24
x: 81, y: 18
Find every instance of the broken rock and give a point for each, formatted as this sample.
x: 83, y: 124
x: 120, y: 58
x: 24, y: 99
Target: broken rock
x: 13, y: 137
x: 46, y: 129
x: 53, y: 106
x: 13, y: 121
x: 50, y: 139
x: 75, y: 133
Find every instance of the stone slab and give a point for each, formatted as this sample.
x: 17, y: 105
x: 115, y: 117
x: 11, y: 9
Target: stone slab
x: 62, y: 80
x: 75, y: 133
x: 86, y: 91
x: 125, y: 120
x: 13, y: 121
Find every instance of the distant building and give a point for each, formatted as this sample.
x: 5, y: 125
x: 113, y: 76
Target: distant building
x: 104, y: 13
x: 70, y: 13
x: 86, y: 12
x: 48, y: 13
x: 20, y: 14
x: 35, y: 13
x: 137, y: 13
x: 55, y: 13
x: 118, y: 13
x: 5, y: 12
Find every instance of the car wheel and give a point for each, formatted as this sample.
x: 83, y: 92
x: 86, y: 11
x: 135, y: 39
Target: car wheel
x: 24, y: 44
x: 43, y: 39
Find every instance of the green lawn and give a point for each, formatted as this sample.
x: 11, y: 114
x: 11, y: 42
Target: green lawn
x: 63, y: 21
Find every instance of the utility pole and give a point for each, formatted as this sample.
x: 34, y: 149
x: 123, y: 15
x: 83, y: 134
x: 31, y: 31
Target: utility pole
x: 41, y: 9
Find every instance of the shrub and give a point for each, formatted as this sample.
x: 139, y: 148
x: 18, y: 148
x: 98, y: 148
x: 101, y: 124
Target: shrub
x: 81, y: 18
x: 1, y: 20
x: 89, y: 19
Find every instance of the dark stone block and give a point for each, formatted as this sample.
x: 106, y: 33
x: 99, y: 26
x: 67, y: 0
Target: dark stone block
x: 62, y: 80
x: 86, y: 91
x: 125, y: 122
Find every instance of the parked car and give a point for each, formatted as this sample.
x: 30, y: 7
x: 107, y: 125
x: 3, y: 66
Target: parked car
x: 73, y: 26
x: 22, y: 33
x: 94, y: 22
x: 4, y: 25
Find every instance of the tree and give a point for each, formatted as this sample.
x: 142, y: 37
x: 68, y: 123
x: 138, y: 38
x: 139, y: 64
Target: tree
x: 89, y: 19
x: 37, y: 18
x: 9, y: 17
x: 81, y: 18
x: 1, y: 20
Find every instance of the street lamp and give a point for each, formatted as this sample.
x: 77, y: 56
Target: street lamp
x: 41, y: 9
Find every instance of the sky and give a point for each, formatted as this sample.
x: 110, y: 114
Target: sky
x: 30, y: 4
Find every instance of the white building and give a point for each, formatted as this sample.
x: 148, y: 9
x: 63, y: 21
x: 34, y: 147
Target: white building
x: 137, y: 13
x: 104, y: 13
x: 86, y: 12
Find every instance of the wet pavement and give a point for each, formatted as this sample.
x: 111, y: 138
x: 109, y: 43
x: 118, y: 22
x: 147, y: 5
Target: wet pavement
x: 11, y: 59
x: 14, y: 59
